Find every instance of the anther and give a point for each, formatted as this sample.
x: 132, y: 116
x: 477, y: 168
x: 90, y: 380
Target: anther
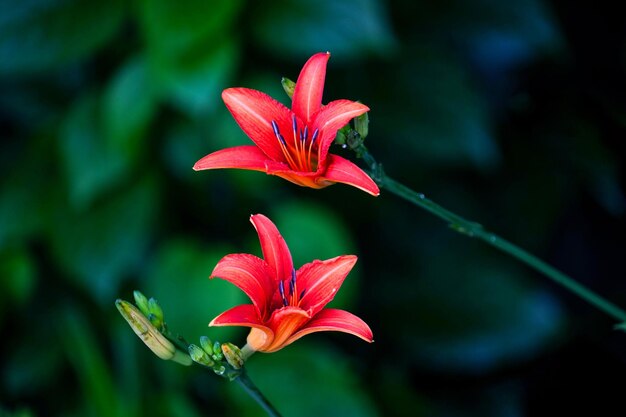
x: 294, y: 125
x: 292, y: 283
x: 314, y: 136
x: 281, y: 288
x: 277, y: 133
x: 302, y: 294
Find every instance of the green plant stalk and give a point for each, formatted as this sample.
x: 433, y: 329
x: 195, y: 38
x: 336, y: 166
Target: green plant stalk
x: 473, y: 229
x: 253, y: 391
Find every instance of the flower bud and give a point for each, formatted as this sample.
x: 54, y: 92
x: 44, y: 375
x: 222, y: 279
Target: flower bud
x: 233, y: 355
x: 206, y: 345
x: 142, y: 302
x: 198, y: 355
x: 156, y: 313
x: 288, y: 85
x: 217, y: 352
x: 157, y: 343
x: 361, y: 125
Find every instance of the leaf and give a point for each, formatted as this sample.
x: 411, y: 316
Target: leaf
x: 92, y: 165
x: 190, y: 54
x: 473, y: 313
x: 25, y: 193
x: 17, y: 277
x: 90, y: 365
x: 41, y: 35
x: 305, y: 380
x: 100, y: 246
x: 196, y: 87
x: 439, y: 116
x: 128, y: 106
x: 346, y: 28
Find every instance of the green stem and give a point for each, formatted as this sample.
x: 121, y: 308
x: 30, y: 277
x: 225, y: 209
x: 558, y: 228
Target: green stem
x: 258, y: 396
x: 476, y: 230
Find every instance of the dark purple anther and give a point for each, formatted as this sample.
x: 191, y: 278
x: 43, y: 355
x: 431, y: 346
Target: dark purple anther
x: 281, y: 289
x: 315, y: 135
x: 277, y: 133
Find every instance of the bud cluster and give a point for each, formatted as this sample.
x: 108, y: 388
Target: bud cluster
x: 224, y: 359
x: 148, y: 323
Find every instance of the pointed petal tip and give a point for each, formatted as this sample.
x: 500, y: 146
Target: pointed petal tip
x: 346, y: 172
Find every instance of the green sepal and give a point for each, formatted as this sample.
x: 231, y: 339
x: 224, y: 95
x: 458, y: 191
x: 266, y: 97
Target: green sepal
x: 288, y: 85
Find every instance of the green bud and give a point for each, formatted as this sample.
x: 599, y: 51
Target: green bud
x: 354, y: 139
x: 361, y: 125
x: 142, y: 302
x: 342, y: 135
x: 288, y: 85
x: 156, y: 313
x: 206, y: 344
x: 198, y: 355
x: 340, y: 139
x: 142, y: 327
x: 217, y: 352
x: 233, y: 355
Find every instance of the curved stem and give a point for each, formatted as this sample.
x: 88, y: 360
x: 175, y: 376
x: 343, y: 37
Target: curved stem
x: 255, y: 393
x: 476, y: 230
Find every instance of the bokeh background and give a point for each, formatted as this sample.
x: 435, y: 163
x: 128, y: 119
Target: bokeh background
x: 511, y: 113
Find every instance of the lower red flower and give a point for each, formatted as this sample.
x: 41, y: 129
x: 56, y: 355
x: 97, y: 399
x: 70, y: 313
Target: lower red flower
x: 286, y: 304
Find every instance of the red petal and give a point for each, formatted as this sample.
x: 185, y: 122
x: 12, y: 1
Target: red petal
x: 335, y: 320
x: 241, y: 315
x: 284, y: 322
x: 275, y: 250
x: 243, y: 157
x: 333, y: 117
x: 245, y: 315
x: 321, y: 280
x: 254, y: 112
x: 251, y: 275
x: 307, y: 96
x: 341, y: 170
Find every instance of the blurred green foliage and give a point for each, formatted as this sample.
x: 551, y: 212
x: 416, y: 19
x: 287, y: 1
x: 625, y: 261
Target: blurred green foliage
x: 511, y: 113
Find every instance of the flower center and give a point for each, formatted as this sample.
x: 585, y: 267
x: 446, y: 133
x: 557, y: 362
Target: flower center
x: 301, y: 152
x: 292, y: 298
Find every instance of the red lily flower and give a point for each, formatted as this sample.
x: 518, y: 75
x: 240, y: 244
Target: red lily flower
x: 286, y: 304
x: 292, y: 144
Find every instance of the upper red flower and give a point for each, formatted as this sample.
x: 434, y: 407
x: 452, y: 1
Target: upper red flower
x: 286, y: 304
x: 293, y: 144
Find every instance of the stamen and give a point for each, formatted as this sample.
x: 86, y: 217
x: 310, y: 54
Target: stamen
x: 283, y: 144
x: 292, y: 283
x: 314, y: 137
x: 294, y: 125
x: 310, y: 150
x: 302, y: 294
x: 297, y: 155
x: 281, y: 289
x: 277, y: 133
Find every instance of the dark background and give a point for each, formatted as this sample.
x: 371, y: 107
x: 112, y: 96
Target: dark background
x: 510, y: 113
